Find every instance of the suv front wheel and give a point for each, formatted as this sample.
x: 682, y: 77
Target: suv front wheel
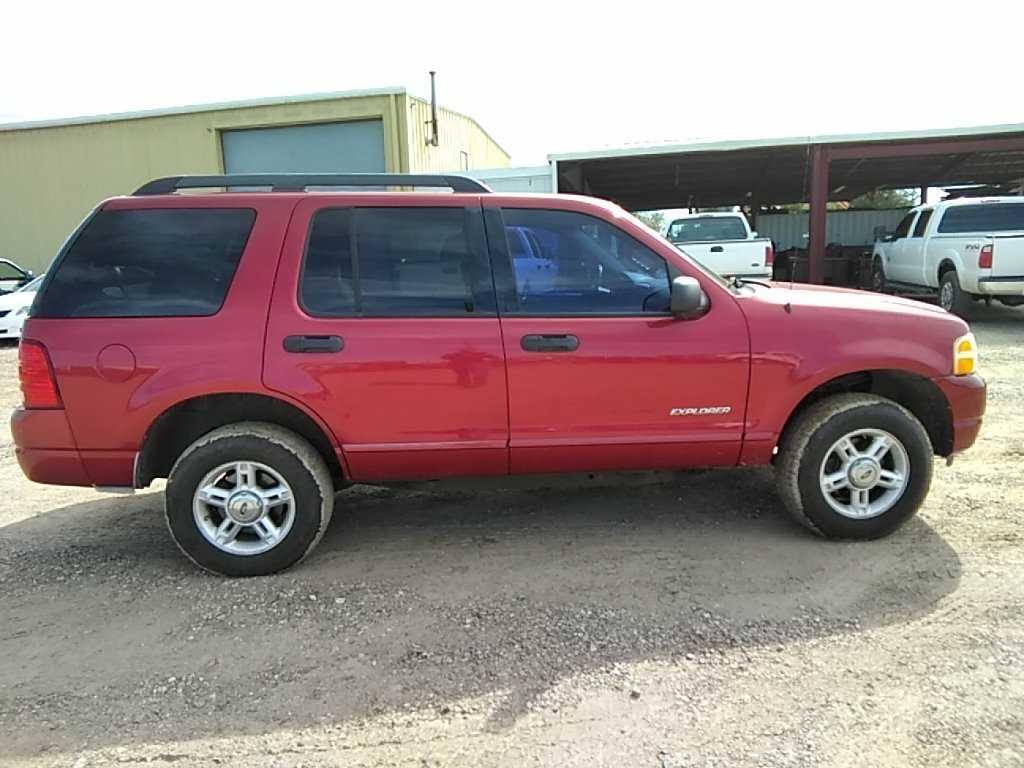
x: 854, y: 466
x: 248, y: 499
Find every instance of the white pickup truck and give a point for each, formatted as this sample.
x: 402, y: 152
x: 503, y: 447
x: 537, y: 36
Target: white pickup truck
x: 724, y: 243
x: 966, y: 249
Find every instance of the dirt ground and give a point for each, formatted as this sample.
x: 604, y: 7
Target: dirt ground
x: 661, y: 620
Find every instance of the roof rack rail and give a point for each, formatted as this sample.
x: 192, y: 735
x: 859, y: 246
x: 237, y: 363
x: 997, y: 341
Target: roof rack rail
x: 297, y: 182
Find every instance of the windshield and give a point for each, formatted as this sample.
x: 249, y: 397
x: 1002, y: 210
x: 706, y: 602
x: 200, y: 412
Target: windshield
x: 707, y: 228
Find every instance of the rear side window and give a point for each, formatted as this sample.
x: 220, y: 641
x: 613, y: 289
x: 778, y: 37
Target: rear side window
x: 149, y: 263
x: 922, y: 222
x: 985, y: 217
x: 394, y: 262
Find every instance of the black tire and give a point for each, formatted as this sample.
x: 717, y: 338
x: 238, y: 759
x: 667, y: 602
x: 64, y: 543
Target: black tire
x: 806, y: 444
x: 877, y: 276
x: 952, y: 297
x: 290, y: 456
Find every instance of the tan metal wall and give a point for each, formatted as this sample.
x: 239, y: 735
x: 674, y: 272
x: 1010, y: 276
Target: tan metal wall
x: 457, y: 134
x: 51, y: 177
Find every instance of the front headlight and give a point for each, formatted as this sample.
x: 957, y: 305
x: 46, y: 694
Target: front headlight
x: 965, y: 355
x: 21, y: 310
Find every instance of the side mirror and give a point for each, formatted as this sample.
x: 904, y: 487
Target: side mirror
x: 688, y: 300
x: 753, y: 235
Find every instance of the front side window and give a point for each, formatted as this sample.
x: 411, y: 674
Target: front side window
x: 566, y: 263
x: 381, y: 262
x: 903, y: 228
x: 149, y: 263
x: 922, y: 223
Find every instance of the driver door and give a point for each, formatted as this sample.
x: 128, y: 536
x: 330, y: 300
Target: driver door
x: 897, y: 254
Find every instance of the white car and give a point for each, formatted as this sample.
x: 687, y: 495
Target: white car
x: 14, y: 309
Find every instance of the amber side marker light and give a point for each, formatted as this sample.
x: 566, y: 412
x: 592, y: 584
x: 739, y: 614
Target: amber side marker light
x: 965, y: 355
x: 38, y: 385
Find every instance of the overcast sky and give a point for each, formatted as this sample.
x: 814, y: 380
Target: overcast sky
x: 540, y: 77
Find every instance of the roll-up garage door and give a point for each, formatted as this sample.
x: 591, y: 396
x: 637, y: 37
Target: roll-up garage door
x: 355, y: 146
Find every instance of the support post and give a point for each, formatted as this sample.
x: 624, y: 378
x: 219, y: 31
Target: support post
x: 924, y: 194
x: 816, y: 215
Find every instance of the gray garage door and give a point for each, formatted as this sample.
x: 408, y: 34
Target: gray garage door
x: 350, y: 147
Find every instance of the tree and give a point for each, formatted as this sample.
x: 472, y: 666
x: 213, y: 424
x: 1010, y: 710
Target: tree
x: 885, y: 198
x: 653, y: 219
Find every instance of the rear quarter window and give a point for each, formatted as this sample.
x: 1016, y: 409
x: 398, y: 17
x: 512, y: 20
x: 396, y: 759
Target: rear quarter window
x: 984, y: 217
x: 149, y: 263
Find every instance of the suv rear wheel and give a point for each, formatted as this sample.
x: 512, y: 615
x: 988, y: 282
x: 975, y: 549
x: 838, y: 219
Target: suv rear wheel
x: 854, y: 467
x: 248, y: 499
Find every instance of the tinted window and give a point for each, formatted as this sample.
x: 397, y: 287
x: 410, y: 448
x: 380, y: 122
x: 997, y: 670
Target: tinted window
x: 903, y: 228
x: 710, y: 228
x: 985, y: 217
x: 922, y: 223
x: 148, y: 263
x: 393, y: 262
x: 569, y: 263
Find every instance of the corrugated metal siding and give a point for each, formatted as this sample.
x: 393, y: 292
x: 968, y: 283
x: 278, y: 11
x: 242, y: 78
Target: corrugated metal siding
x: 457, y: 134
x: 53, y: 176
x: 789, y: 230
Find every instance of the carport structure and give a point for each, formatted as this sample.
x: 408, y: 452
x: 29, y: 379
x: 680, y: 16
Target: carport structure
x: 811, y: 169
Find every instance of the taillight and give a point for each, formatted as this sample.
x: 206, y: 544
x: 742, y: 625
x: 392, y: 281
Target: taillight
x: 769, y: 255
x: 38, y: 386
x: 985, y: 257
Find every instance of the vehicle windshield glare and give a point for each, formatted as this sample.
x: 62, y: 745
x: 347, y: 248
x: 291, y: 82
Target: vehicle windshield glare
x: 707, y: 228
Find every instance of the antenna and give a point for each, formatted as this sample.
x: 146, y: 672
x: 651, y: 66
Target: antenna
x: 432, y: 140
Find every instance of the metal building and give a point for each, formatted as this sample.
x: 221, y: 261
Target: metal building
x: 54, y: 171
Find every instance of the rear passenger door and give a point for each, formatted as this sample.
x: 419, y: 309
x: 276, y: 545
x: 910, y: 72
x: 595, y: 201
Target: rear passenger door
x: 384, y: 322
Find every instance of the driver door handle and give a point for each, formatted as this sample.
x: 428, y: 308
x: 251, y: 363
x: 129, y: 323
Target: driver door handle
x: 716, y: 249
x: 550, y: 342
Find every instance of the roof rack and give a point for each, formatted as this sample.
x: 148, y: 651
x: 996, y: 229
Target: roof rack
x: 297, y: 182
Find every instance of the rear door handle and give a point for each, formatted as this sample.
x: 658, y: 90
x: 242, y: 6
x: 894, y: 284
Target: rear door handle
x: 313, y: 344
x: 717, y: 249
x: 550, y: 342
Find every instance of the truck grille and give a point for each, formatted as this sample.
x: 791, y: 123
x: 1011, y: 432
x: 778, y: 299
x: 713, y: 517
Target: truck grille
x: 4, y: 312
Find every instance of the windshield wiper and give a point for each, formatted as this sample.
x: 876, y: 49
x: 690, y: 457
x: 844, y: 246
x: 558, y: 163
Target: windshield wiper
x: 738, y: 282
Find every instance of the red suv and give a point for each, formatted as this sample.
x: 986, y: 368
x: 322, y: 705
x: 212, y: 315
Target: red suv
x: 262, y: 349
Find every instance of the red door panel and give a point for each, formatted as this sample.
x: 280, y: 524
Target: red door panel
x: 609, y: 404
x: 406, y: 397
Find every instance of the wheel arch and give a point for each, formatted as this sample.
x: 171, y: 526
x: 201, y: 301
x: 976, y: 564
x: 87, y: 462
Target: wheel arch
x: 918, y: 394
x: 181, y: 424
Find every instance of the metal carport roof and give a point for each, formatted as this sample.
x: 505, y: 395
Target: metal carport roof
x: 814, y: 169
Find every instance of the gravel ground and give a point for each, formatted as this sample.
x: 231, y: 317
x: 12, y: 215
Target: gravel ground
x: 651, y: 619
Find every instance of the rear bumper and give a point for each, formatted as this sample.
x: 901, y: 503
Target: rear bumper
x: 45, y: 449
x: 966, y: 397
x: 1001, y: 286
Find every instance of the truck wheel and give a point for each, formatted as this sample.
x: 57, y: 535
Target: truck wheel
x: 248, y: 499
x: 854, y: 466
x: 951, y: 297
x: 877, y: 276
